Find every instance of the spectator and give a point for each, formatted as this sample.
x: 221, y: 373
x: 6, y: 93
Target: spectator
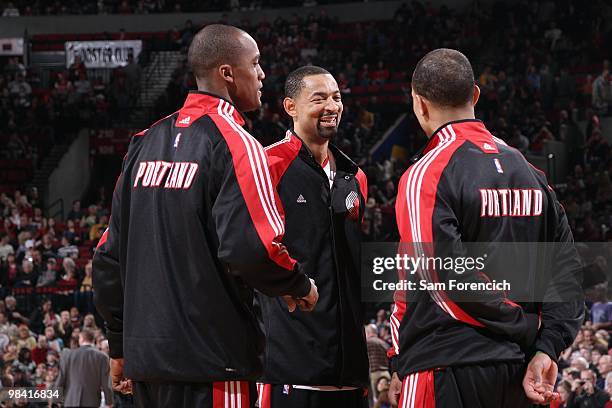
x: 67, y: 249
x: 20, y: 379
x: 39, y: 353
x: 71, y: 233
x: 82, y: 85
x: 27, y: 276
x: 48, y: 277
x: 91, y: 218
x: 7, y: 328
x: 98, y: 228
x: 39, y: 376
x: 586, y: 393
x: 377, y: 356
x: 43, y: 316
x: 14, y: 316
x: 76, y: 69
x: 5, y: 247
x: 69, y: 278
x: 10, y: 354
x: 604, y: 366
x: 20, y: 91
x: 89, y: 322
x: 382, y: 389
x: 84, y: 374
x: 24, y: 338
x: 75, y: 213
x: 75, y: 318
x: 602, y: 92
x: 54, y: 342
x: 601, y: 311
x: 24, y: 362
x: 84, y: 297
x: 52, y: 359
x: 65, y: 326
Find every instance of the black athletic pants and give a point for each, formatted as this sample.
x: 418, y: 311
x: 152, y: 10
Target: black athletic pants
x: 497, y: 385
x: 227, y: 394
x: 283, y: 396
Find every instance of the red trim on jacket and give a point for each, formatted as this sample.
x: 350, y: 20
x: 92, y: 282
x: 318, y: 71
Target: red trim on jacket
x: 255, y: 182
x: 199, y: 104
x: 281, y: 154
x: 415, y: 204
x: 363, y: 184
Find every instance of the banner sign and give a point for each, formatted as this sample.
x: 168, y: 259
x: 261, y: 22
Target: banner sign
x: 11, y: 46
x: 102, y: 54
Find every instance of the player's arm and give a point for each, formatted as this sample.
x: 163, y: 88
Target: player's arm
x: 563, y: 306
x: 106, y: 274
x: 249, y: 220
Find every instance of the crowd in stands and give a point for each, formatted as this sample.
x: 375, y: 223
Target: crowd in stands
x: 551, y: 72
x: 16, y: 8
x: 46, y: 296
x: 35, y: 116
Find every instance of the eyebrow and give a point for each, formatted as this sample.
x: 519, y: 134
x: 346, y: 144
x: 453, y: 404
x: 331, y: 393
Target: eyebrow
x: 323, y: 94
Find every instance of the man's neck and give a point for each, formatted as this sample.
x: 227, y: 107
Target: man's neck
x: 443, y: 117
x: 317, y: 145
x: 210, y: 87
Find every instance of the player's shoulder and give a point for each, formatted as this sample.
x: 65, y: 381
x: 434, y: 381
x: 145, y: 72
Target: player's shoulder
x: 285, y: 149
x: 162, y: 122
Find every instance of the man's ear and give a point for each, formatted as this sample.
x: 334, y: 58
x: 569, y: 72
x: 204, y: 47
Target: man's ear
x: 226, y: 72
x: 290, y: 107
x: 420, y: 106
x: 476, y: 94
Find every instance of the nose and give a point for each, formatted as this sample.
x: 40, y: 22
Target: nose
x: 261, y: 75
x: 332, y: 105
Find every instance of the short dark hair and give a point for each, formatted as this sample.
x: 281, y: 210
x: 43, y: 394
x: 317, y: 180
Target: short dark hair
x: 88, y: 335
x: 295, y: 80
x: 444, y: 77
x: 212, y: 46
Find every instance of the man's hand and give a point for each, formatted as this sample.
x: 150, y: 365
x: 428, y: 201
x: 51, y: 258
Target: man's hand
x: 307, y: 303
x: 120, y: 383
x: 539, y: 381
x: 395, y: 389
x: 291, y: 303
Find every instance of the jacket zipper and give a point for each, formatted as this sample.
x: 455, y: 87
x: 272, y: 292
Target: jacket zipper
x: 337, y: 269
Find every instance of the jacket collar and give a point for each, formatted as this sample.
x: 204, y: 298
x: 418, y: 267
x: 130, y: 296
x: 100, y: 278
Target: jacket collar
x: 472, y: 130
x: 200, y: 103
x: 343, y: 162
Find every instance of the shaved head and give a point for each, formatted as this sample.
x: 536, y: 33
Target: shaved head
x: 213, y: 46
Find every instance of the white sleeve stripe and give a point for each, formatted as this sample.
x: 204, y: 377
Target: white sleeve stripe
x: 286, y: 139
x: 267, y: 179
x: 415, y: 181
x: 278, y: 231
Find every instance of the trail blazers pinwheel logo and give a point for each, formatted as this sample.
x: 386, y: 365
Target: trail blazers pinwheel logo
x: 352, y: 205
